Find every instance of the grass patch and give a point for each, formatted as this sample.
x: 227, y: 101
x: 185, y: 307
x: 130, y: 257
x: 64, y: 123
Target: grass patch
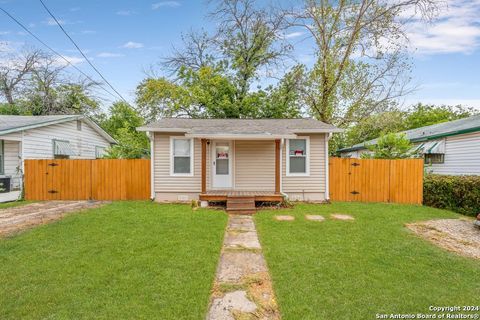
x: 126, y: 260
x: 354, y: 269
x: 12, y: 204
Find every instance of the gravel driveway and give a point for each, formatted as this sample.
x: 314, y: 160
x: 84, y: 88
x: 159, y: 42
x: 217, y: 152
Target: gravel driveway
x: 27, y: 216
x: 457, y: 235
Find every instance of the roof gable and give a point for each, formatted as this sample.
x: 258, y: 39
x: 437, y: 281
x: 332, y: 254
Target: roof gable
x: 10, y: 123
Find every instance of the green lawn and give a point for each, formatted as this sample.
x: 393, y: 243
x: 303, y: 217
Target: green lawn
x: 355, y: 269
x: 12, y: 204
x: 127, y: 260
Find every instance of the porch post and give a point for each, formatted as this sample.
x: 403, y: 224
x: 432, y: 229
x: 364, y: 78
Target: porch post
x: 277, y: 166
x: 204, y: 165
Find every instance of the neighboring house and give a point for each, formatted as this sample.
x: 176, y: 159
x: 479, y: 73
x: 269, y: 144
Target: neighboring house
x: 448, y: 148
x: 47, y: 137
x: 208, y: 159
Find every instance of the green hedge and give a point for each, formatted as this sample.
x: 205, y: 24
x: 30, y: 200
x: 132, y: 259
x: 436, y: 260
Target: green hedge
x: 457, y: 193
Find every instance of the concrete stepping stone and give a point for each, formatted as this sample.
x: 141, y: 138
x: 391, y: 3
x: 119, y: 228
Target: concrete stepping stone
x: 314, y: 217
x: 285, y: 218
x: 222, y: 308
x: 338, y: 216
x: 247, y: 240
x: 240, y: 224
x: 236, y: 265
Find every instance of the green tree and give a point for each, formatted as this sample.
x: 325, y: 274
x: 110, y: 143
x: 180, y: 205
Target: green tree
x: 395, y: 121
x: 283, y: 99
x: 250, y: 40
x: 422, y: 115
x: 374, y: 126
x: 9, y: 109
x: 195, y: 93
x: 121, y: 124
x: 214, y: 75
x: 361, y: 66
x: 390, y: 146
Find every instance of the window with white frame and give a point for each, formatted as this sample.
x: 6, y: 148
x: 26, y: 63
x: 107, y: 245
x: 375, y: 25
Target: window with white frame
x: 181, y: 156
x: 298, y: 156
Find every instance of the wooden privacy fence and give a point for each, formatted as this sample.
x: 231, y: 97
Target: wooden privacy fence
x: 376, y: 180
x: 114, y: 179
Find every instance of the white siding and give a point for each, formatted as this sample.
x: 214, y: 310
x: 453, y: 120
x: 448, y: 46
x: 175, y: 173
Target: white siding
x: 255, y: 165
x: 462, y: 156
x: 38, y: 142
x: 16, y: 136
x: 164, y: 182
x: 310, y: 187
x: 11, y: 151
x: 253, y: 168
x: 12, y: 164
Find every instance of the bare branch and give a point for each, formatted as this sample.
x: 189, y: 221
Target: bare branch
x: 361, y: 66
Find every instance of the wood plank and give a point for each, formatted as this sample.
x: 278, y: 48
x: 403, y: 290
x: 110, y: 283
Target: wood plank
x: 377, y: 180
x: 277, y: 166
x: 204, y: 165
x: 109, y: 179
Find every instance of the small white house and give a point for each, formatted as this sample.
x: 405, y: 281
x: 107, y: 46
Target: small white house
x: 451, y: 148
x: 46, y: 137
x: 218, y: 159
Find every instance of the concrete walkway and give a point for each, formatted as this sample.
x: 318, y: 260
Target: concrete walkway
x: 242, y: 288
x: 22, y: 217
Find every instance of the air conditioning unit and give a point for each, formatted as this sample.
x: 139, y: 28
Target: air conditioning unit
x: 5, y: 184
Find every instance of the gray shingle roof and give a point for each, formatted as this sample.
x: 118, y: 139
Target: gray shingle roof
x: 9, y: 123
x: 239, y: 126
x: 439, y: 130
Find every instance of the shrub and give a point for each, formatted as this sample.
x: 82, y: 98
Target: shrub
x: 457, y: 193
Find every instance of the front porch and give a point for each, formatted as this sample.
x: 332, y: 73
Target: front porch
x: 210, y: 193
x: 224, y: 195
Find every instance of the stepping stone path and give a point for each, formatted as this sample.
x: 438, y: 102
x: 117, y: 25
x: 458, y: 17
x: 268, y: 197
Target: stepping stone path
x: 242, y: 288
x: 314, y: 217
x: 342, y: 216
x: 23, y: 217
x: 285, y: 218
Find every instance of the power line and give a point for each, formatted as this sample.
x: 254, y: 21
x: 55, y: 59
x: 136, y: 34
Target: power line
x: 53, y: 50
x: 81, y: 52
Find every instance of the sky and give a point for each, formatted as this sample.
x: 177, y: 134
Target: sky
x: 124, y: 38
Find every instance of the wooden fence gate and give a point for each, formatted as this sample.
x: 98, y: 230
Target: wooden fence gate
x: 376, y: 180
x: 115, y: 179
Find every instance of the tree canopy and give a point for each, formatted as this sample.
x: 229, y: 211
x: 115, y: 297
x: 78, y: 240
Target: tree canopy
x: 121, y: 123
x: 397, y: 120
x: 214, y: 75
x: 34, y: 82
x: 390, y: 146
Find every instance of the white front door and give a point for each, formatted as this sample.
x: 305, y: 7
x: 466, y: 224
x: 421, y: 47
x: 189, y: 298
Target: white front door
x: 222, y: 164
